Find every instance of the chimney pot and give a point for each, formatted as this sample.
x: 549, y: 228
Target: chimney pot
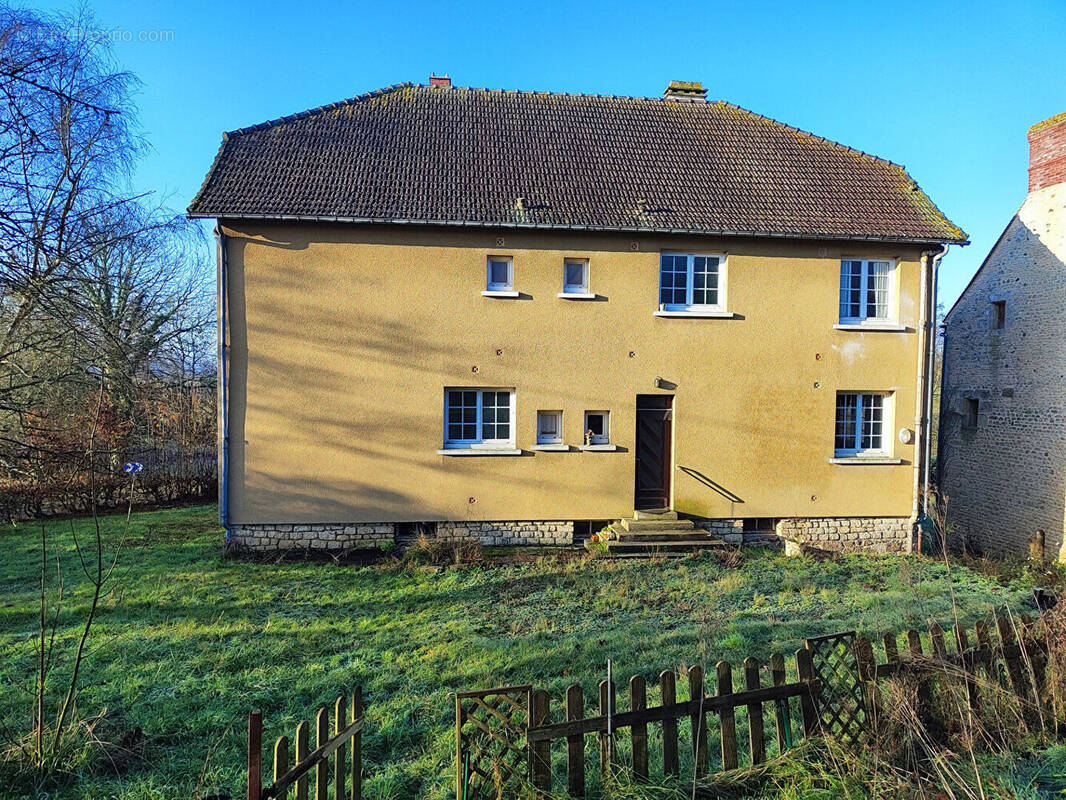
x: 440, y: 80
x: 1047, y: 152
x: 685, y: 90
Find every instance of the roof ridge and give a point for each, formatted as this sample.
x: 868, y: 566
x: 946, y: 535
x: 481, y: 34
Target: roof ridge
x: 488, y: 90
x: 326, y: 107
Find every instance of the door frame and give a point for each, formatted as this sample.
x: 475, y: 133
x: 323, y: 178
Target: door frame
x: 652, y: 403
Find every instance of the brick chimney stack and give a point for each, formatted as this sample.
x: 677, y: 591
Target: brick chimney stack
x: 1047, y: 152
x: 440, y: 80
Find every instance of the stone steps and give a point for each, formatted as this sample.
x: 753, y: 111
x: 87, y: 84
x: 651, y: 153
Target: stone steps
x: 649, y: 534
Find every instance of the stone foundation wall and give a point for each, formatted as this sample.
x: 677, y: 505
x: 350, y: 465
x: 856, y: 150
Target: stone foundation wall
x: 542, y: 534
x: 276, y: 537
x: 850, y: 534
x: 361, y: 536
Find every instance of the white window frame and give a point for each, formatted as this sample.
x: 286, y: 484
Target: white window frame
x: 689, y: 307
x: 558, y: 438
x: 576, y: 291
x: 499, y: 289
x: 887, y: 414
x: 865, y: 318
x: 598, y: 439
x: 480, y: 443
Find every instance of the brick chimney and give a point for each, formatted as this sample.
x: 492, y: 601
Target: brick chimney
x: 1047, y: 152
x: 440, y: 80
x: 685, y: 90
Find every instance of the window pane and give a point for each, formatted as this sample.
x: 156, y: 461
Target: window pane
x: 462, y: 416
x: 495, y: 415
x: 847, y: 406
x: 575, y: 275
x: 872, y: 421
x: 704, y: 281
x: 850, y: 289
x: 877, y: 289
x: 673, y: 280
x: 549, y: 429
x: 499, y: 273
x: 595, y: 422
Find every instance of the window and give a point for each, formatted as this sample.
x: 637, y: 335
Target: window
x: 576, y: 276
x: 860, y: 424
x: 865, y: 290
x: 478, y: 417
x: 597, y: 427
x: 500, y: 274
x: 971, y: 409
x: 999, y: 314
x: 690, y: 281
x: 549, y: 427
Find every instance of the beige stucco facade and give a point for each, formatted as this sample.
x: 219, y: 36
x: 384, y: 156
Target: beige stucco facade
x: 342, y: 339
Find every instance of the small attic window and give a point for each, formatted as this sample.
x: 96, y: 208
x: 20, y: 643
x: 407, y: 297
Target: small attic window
x: 999, y: 314
x: 971, y: 409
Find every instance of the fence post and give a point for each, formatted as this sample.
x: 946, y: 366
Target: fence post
x: 756, y: 738
x: 575, y: 743
x: 807, y: 705
x: 727, y: 717
x: 1011, y: 652
x: 357, y: 745
x: 867, y: 665
x: 302, y: 751
x: 458, y: 747
x: 969, y: 666
x: 322, y: 767
x: 340, y: 710
x: 638, y: 701
x: 281, y: 757
x: 668, y: 687
x: 255, y: 755
x: 891, y: 649
x: 781, y: 716
x: 607, y: 746
x: 699, y: 719
x: 540, y: 752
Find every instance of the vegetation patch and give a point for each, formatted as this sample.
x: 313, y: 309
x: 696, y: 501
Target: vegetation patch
x: 190, y: 640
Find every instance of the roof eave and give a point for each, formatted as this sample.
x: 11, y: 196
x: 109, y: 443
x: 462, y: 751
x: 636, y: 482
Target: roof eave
x: 572, y: 227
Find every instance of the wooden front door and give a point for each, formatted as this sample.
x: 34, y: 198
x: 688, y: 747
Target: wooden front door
x: 654, y: 421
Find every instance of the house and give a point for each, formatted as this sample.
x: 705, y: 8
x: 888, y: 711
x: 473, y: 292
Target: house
x: 515, y: 315
x: 1002, y: 451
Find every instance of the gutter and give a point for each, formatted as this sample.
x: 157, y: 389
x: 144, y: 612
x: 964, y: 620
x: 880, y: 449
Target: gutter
x: 223, y: 389
x: 563, y: 226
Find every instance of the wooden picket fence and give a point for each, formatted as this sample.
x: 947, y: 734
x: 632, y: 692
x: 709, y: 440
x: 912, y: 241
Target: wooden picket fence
x: 336, y: 777
x: 837, y: 692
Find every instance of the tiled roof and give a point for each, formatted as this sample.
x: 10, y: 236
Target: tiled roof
x: 449, y: 155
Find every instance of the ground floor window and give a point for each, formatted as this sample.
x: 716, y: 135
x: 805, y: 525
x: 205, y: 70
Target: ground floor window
x: 549, y: 427
x: 597, y: 427
x: 861, y: 420
x: 478, y: 417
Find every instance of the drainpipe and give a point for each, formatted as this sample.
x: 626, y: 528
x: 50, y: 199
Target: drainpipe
x: 223, y: 374
x: 931, y: 346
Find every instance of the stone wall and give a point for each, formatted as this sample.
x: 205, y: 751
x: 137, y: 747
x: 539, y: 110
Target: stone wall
x: 851, y: 534
x: 361, y: 536
x: 1005, y: 476
x: 543, y: 534
x: 271, y: 537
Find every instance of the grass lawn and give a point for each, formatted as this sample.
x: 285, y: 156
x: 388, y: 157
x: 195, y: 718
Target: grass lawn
x: 190, y: 640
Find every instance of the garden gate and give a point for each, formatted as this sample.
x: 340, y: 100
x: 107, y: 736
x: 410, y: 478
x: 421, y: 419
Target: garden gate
x: 490, y: 739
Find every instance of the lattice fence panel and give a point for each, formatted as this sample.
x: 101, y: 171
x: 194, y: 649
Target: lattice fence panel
x: 842, y: 709
x: 490, y: 735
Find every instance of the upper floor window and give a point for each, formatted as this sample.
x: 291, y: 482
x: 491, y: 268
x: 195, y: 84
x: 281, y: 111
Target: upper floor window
x: 690, y: 282
x: 576, y: 276
x: 478, y: 417
x: 861, y: 421
x: 866, y: 290
x: 999, y: 314
x: 500, y: 274
x: 971, y: 412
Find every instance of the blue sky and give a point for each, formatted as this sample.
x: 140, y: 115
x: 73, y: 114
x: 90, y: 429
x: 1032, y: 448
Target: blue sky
x: 946, y: 88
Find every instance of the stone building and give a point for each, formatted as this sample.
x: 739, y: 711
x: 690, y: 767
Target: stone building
x: 1003, y: 409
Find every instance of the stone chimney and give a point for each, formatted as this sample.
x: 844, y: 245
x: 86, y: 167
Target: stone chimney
x: 1047, y: 152
x: 692, y: 91
x: 440, y: 80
